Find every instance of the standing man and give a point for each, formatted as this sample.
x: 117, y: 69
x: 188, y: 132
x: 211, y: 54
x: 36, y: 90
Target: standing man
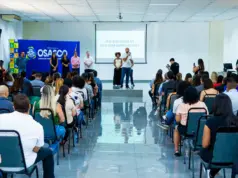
x: 131, y: 74
x: 88, y: 63
x: 126, y: 67
x: 75, y: 61
x: 174, y: 67
x: 21, y: 62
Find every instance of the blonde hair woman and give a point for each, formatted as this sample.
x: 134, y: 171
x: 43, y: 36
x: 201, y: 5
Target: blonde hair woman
x: 48, y: 100
x: 58, y: 83
x: 214, y: 77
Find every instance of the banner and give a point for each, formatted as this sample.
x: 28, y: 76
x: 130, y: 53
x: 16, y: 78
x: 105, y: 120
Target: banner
x: 13, y: 55
x: 39, y: 53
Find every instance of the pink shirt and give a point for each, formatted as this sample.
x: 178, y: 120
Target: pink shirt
x: 75, y: 61
x: 184, y: 108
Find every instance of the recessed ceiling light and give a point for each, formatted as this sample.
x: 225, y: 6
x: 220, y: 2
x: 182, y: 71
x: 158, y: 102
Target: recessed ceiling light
x: 163, y: 4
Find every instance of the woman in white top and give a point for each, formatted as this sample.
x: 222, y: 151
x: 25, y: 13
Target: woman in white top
x: 117, y: 70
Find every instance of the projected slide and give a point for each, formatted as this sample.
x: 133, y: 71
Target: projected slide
x: 109, y: 42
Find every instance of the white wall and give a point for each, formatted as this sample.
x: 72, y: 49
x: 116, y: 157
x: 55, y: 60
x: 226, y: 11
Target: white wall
x: 10, y: 30
x: 186, y: 42
x: 231, y: 41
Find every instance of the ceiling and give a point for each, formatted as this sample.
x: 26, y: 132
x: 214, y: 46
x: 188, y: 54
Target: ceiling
x: 131, y: 10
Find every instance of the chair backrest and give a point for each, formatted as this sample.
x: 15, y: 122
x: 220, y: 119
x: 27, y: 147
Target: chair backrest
x: 173, y: 97
x: 166, y: 94
x: 36, y: 90
x: 226, y: 144
x: 199, y: 134
x: 11, y: 151
x: 209, y: 101
x: 192, y: 120
x: 4, y: 110
x: 48, y: 124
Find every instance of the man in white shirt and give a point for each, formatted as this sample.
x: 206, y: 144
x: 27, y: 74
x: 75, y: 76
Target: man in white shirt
x: 126, y: 67
x: 232, y: 92
x: 88, y: 62
x: 31, y: 133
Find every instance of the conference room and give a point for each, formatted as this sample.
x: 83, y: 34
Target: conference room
x: 118, y: 88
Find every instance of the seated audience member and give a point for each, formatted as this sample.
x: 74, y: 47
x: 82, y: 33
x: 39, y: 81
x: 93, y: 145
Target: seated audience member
x: 221, y: 88
x: 79, y: 90
x: 9, y: 80
x: 33, y: 76
x: 179, y: 77
x: 67, y: 103
x: 32, y: 135
x: 99, y: 84
x: 26, y: 87
x: 37, y: 81
x: 169, y: 118
x: 87, y: 85
x: 2, y: 69
x: 58, y: 83
x: 189, y: 78
x: 190, y: 100
x: 56, y: 76
x: 170, y: 84
x: 200, y: 87
x: 161, y: 85
x: 219, y: 81
x: 48, y: 100
x: 155, y: 86
x: 17, y: 85
x: 196, y: 80
x: 68, y: 79
x: 214, y: 77
x: 223, y: 117
x: 232, y: 92
x: 4, y: 102
x: 49, y: 81
x: 93, y: 84
x: 208, y: 89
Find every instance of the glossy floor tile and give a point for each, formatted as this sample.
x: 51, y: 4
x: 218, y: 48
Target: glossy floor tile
x: 124, y: 141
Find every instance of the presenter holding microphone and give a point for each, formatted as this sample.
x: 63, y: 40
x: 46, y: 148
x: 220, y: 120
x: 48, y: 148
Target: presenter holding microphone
x: 53, y: 63
x: 126, y: 67
x: 75, y: 61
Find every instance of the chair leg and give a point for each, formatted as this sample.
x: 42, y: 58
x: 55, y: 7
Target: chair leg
x: 224, y: 173
x: 73, y: 133
x: 37, y: 172
x: 189, y: 158
x: 69, y: 142
x: 58, y: 151
x: 193, y: 169
x: 63, y: 150
x: 200, y: 170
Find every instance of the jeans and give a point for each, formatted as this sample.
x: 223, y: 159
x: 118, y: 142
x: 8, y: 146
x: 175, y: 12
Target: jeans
x: 131, y: 77
x: 76, y: 70
x: 60, y: 131
x: 125, y: 72
x: 46, y: 156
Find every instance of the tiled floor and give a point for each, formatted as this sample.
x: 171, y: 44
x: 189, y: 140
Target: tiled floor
x: 124, y: 142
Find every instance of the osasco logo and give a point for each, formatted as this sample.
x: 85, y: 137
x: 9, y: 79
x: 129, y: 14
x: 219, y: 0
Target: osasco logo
x: 31, y: 53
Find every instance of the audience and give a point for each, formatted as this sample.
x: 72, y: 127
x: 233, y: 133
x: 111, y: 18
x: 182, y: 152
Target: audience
x: 190, y: 100
x: 170, y: 84
x: 58, y: 83
x: 48, y: 100
x: 200, y: 68
x: 32, y: 138
x: 49, y: 81
x: 221, y: 88
x: 219, y: 81
x: 189, y: 78
x: 5, y: 105
x: 87, y: 85
x: 79, y: 93
x: 155, y: 86
x: 208, y: 89
x: 26, y: 86
x: 223, y: 117
x: 37, y: 81
x: 214, y: 77
x: 232, y: 92
x: 9, y: 80
x: 99, y: 84
x: 200, y: 87
x: 68, y: 79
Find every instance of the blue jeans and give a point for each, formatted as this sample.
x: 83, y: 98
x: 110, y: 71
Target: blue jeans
x: 60, y: 131
x: 131, y: 77
x: 125, y: 72
x: 170, y: 117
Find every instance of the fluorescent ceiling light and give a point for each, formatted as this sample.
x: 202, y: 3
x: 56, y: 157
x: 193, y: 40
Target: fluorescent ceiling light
x: 163, y: 4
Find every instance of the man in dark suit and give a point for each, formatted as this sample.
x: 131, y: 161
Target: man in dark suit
x: 174, y: 66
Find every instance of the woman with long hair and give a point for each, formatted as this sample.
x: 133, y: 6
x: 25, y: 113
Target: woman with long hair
x: 208, y: 89
x: 48, y: 101
x: 65, y: 65
x: 223, y: 117
x: 200, y: 68
x: 117, y: 70
x: 190, y: 100
x: 214, y: 77
x: 219, y: 81
x: 189, y: 78
x: 53, y: 64
x: 58, y: 83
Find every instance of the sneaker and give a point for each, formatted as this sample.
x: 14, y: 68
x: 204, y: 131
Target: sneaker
x: 164, y: 117
x: 127, y: 87
x: 177, y: 154
x: 163, y: 126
